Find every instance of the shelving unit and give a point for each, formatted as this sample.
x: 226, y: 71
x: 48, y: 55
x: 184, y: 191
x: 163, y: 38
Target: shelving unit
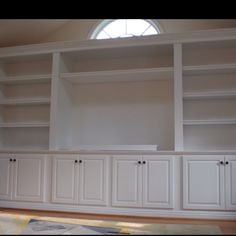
x: 209, y: 95
x: 176, y: 92
x: 25, y: 83
x: 120, y: 115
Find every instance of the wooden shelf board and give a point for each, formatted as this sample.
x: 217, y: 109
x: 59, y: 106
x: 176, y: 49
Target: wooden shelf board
x: 209, y: 69
x: 210, y: 122
x: 119, y: 75
x: 209, y: 94
x: 25, y: 101
x: 26, y: 79
x: 24, y: 125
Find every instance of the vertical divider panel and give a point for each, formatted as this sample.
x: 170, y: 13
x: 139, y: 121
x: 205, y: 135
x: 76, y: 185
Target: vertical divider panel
x: 178, y: 97
x: 54, y: 100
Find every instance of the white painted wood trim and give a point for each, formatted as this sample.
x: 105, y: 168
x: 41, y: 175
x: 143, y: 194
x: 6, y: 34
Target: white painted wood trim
x: 178, y: 100
x: 209, y: 94
x: 24, y: 125
x: 105, y: 176
x: 171, y: 174
x: 167, y: 38
x: 55, y: 199
x: 210, y: 122
x: 115, y: 200
x: 228, y: 182
x: 198, y: 206
x: 119, y: 75
x: 25, y: 101
x: 204, y: 69
x: 22, y: 79
x: 223, y: 215
x: 118, y: 147
x: 114, y: 152
x: 41, y: 197
x: 54, y: 101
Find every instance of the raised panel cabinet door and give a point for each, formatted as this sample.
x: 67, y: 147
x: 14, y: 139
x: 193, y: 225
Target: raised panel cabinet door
x: 65, y: 179
x: 230, y: 182
x: 203, y: 182
x: 29, y: 178
x: 158, y: 181
x: 127, y: 181
x: 5, y: 177
x: 93, y: 179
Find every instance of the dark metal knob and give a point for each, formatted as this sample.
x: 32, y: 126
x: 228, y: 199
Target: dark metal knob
x: 139, y: 162
x: 80, y: 161
x: 221, y: 162
x: 14, y: 160
x: 11, y: 160
x: 144, y: 162
x: 76, y: 161
x: 226, y: 162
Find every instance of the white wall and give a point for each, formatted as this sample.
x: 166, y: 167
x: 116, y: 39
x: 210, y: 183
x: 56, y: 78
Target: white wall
x: 81, y: 29
x: 123, y: 113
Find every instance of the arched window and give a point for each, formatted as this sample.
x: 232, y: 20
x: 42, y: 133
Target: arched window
x: 122, y: 28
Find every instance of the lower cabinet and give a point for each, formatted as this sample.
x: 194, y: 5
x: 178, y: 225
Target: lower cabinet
x: 65, y: 179
x: 143, y: 181
x: 209, y: 182
x: 22, y: 177
x: 80, y: 179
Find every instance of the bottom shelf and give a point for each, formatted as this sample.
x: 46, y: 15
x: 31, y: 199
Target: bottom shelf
x: 210, y: 137
x: 114, y: 148
x: 25, y: 138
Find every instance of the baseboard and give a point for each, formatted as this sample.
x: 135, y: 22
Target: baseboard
x: 223, y: 215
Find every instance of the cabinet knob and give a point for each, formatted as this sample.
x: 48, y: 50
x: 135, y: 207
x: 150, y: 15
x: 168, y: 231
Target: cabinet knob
x: 10, y: 159
x: 76, y: 161
x: 226, y: 162
x: 14, y: 160
x: 139, y: 162
x: 80, y: 161
x: 144, y: 162
x: 221, y: 162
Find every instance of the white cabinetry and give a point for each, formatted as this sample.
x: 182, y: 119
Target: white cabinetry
x: 91, y: 110
x: 209, y: 95
x: 230, y: 181
x: 204, y: 182
x: 22, y: 177
x: 93, y: 187
x: 65, y: 179
x: 80, y: 179
x: 25, y: 93
x: 143, y: 181
x: 127, y: 183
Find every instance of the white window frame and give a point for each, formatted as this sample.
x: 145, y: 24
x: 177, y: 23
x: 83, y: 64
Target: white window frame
x: 103, y: 23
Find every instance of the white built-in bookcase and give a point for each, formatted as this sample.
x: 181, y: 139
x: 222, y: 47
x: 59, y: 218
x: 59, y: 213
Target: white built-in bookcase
x: 25, y: 90
x: 172, y: 91
x: 209, y: 95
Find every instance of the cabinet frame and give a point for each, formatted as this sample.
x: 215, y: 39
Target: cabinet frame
x: 14, y: 176
x: 141, y: 199
x: 224, y: 184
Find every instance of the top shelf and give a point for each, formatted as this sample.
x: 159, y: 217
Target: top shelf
x: 119, y: 75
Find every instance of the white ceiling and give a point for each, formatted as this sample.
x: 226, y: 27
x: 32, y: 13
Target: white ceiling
x: 18, y: 32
